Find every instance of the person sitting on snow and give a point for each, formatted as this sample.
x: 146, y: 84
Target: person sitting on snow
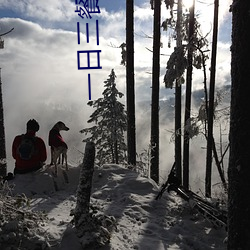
x: 29, y: 150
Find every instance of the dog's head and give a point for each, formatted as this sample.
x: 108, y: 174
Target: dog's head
x: 61, y: 126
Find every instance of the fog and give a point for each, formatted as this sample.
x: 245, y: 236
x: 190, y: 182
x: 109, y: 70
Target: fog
x: 198, y: 143
x: 40, y: 79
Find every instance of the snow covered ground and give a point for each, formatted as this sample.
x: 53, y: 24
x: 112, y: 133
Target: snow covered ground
x: 141, y: 221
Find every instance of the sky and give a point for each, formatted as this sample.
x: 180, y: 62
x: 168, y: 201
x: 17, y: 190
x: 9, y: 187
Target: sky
x: 40, y: 78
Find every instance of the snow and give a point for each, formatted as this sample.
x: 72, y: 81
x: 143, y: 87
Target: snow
x: 141, y: 221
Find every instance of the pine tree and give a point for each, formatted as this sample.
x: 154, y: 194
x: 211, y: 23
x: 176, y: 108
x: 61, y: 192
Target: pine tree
x: 110, y: 120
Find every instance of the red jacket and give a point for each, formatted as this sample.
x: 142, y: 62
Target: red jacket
x: 55, y: 139
x: 37, y: 159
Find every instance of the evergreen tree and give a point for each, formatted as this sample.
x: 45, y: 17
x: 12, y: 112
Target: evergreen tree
x: 110, y: 120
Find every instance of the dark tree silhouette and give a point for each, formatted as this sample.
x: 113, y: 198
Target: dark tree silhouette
x: 131, y: 130
x: 188, y: 96
x: 3, y: 162
x: 210, y: 139
x: 178, y: 156
x: 154, y: 168
x: 239, y: 160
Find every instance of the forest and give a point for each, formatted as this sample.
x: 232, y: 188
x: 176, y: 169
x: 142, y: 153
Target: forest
x: 221, y: 119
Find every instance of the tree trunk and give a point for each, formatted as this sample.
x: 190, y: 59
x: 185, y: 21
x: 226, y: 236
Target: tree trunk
x: 178, y: 100
x: 131, y: 139
x: 188, y: 98
x: 116, y: 152
x: 154, y: 168
x: 93, y: 231
x: 239, y: 160
x: 81, y: 215
x: 211, y: 102
x: 217, y: 162
x: 3, y: 162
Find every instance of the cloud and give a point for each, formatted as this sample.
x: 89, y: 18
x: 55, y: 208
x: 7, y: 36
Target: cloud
x: 205, y: 14
x: 41, y: 80
x: 52, y: 10
x: 143, y: 13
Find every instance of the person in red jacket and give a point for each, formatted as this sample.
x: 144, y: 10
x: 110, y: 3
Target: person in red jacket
x: 29, y: 150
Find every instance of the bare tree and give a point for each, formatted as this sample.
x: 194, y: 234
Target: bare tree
x: 3, y: 163
x: 239, y: 160
x: 210, y: 139
x: 178, y: 156
x: 188, y: 97
x: 131, y: 130
x: 154, y: 168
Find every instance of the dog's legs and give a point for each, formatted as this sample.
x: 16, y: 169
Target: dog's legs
x: 66, y: 161
x: 63, y: 157
x: 56, y: 170
x: 55, y: 158
x: 64, y: 172
x: 51, y: 156
x: 59, y: 159
x: 57, y: 152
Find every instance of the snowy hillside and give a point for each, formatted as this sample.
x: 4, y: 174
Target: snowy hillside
x: 141, y: 221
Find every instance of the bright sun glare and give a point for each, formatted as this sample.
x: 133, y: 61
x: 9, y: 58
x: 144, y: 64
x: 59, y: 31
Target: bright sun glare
x: 187, y: 3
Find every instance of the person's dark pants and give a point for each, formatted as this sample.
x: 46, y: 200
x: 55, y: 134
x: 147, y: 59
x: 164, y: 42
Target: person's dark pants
x: 25, y: 171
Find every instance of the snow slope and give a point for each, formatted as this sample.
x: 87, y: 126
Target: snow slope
x: 141, y: 221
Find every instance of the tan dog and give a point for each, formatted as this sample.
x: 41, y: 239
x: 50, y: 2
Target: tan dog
x: 57, y: 145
